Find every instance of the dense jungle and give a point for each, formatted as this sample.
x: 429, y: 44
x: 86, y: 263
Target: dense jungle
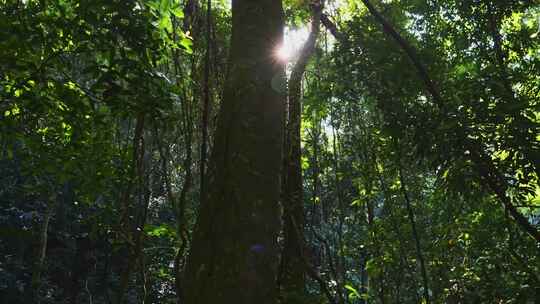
x: 269, y: 151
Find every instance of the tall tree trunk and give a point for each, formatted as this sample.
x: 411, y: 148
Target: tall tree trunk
x: 340, y: 259
x: 42, y: 250
x: 206, y: 101
x: 317, y: 199
x: 317, y: 204
x: 416, y: 237
x: 180, y: 206
x: 293, y: 273
x: 129, y: 227
x: 233, y: 256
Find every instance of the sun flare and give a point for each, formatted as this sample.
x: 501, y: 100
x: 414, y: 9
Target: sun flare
x: 284, y: 52
x: 294, y: 39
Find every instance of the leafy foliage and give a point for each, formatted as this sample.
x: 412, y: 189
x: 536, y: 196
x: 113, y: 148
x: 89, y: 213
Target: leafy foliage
x: 99, y: 135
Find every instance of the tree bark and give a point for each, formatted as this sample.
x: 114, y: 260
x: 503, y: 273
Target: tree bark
x: 234, y: 250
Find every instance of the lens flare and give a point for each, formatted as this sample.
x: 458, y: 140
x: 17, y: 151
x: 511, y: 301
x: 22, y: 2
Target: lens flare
x: 283, y: 53
x: 293, y: 41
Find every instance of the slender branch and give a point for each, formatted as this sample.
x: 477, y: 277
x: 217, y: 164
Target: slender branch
x: 415, y: 233
x: 332, y: 28
x: 409, y: 50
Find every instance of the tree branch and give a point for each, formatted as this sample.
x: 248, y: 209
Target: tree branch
x: 483, y: 164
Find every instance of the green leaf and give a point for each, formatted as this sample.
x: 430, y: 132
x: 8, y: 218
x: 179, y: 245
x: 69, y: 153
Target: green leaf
x: 165, y: 23
x: 353, y: 292
x: 164, y: 6
x: 357, y: 202
x: 163, y: 230
x: 186, y: 43
x: 177, y: 11
x: 153, y: 5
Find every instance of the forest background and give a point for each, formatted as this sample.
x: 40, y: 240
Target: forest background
x: 411, y: 149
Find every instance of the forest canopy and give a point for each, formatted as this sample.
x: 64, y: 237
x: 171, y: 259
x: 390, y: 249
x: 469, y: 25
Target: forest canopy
x: 267, y: 151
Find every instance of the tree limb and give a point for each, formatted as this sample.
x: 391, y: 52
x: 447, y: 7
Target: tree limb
x: 483, y: 164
